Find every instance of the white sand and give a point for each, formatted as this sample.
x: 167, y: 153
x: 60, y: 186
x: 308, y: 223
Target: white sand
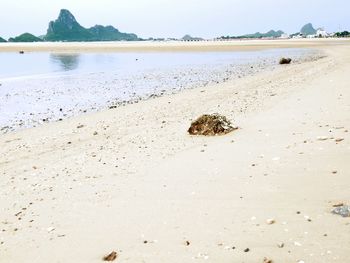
x: 143, y: 178
x: 233, y: 45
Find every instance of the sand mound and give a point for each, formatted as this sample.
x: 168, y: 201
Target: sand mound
x: 285, y: 61
x: 211, y: 125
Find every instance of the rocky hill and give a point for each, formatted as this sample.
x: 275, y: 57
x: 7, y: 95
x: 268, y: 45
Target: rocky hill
x: 66, y: 28
x: 308, y: 29
x: 2, y: 40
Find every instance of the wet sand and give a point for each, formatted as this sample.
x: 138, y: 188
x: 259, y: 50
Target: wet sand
x: 132, y: 180
x: 30, y: 101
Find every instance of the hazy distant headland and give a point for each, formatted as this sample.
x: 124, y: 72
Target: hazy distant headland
x: 67, y: 29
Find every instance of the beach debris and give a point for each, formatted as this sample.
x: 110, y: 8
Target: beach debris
x: 342, y: 210
x: 280, y: 245
x: 270, y: 221
x: 21, y: 52
x: 202, y: 255
x: 285, y: 61
x: 187, y: 243
x: 50, y: 229
x: 95, y: 133
x: 339, y: 139
x: 80, y: 126
x: 111, y: 257
x: 246, y: 250
x: 267, y: 260
x: 322, y: 138
x: 211, y: 125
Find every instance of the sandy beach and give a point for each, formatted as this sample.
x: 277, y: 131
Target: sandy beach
x: 132, y: 180
x: 173, y: 46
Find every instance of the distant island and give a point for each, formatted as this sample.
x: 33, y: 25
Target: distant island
x: 26, y: 37
x: 66, y: 28
x: 307, y: 31
x: 190, y: 38
x: 2, y: 40
x: 258, y: 35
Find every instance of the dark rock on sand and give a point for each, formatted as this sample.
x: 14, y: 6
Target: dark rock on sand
x: 211, y: 125
x: 285, y: 61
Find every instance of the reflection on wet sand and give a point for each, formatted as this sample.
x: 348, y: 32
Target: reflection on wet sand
x: 66, y: 61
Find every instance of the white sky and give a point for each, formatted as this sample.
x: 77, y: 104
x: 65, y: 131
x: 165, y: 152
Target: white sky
x: 175, y: 18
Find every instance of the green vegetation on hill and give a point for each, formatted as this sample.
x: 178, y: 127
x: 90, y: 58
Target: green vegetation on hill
x: 66, y: 28
x: 26, y: 37
x: 2, y: 40
x: 109, y: 33
x: 308, y: 29
x: 270, y: 34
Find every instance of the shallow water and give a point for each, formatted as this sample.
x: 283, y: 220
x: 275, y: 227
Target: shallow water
x: 41, y: 87
x: 29, y: 64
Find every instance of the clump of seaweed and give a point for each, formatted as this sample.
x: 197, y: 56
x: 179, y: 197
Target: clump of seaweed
x: 211, y: 125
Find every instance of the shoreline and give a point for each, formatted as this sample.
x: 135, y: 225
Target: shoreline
x: 132, y: 180
x: 172, y: 46
x: 158, y: 83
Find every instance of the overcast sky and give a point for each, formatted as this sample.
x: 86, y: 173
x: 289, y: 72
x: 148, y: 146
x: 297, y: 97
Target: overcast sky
x: 175, y: 18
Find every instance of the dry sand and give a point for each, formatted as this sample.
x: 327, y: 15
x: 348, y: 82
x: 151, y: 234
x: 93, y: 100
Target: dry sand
x: 132, y: 180
x: 170, y: 46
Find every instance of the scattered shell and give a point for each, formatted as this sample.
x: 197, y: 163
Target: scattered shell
x: 267, y: 260
x: 111, y: 257
x: 270, y: 221
x: 297, y: 244
x: 50, y: 229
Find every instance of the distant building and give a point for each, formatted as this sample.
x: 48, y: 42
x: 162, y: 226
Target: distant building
x: 299, y: 35
x: 321, y: 33
x: 284, y: 36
